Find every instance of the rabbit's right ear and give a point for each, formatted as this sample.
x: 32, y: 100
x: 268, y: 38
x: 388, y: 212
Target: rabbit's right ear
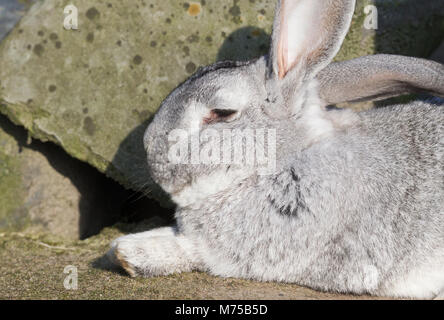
x: 379, y: 77
x: 307, y: 35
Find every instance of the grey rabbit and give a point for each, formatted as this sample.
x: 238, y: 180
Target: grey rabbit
x: 354, y: 202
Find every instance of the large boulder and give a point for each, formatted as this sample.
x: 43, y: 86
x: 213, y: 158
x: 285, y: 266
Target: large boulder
x: 93, y: 90
x: 44, y: 190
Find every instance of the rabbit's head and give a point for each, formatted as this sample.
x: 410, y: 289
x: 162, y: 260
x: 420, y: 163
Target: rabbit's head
x: 280, y: 91
x: 277, y: 91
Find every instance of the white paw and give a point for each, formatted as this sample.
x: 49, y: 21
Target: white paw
x: 134, y: 255
x: 149, y: 254
x: 117, y: 257
x: 127, y: 251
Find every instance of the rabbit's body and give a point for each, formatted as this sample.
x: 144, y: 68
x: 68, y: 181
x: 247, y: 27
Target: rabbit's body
x: 357, y: 212
x: 356, y: 201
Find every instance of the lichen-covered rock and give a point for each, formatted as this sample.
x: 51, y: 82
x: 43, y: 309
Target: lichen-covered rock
x: 10, y: 13
x: 43, y: 189
x: 92, y: 90
x: 13, y: 214
x: 33, y: 192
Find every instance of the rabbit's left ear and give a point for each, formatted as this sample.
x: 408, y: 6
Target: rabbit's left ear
x: 307, y: 34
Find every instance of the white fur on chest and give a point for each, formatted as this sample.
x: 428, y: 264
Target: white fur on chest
x: 206, y: 186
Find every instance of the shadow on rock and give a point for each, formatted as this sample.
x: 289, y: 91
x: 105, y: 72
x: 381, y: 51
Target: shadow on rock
x: 102, y: 203
x: 244, y: 44
x: 131, y: 157
x: 410, y: 27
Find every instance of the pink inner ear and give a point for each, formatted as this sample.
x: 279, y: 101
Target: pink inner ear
x: 299, y: 36
x: 283, y: 43
x: 284, y: 63
x: 283, y: 59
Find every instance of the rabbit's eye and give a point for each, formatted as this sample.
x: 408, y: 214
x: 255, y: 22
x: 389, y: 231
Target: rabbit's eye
x: 219, y: 115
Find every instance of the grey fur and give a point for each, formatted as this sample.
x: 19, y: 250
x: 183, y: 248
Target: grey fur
x: 356, y: 203
x: 379, y: 77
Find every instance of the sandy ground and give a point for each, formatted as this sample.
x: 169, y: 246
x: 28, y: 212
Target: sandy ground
x: 32, y: 267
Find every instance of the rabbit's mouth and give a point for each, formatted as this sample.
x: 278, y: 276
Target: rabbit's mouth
x: 171, y: 178
x: 202, y: 188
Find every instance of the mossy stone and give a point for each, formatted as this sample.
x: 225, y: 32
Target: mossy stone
x: 140, y: 51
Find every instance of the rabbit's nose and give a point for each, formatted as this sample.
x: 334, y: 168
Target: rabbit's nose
x: 156, y: 148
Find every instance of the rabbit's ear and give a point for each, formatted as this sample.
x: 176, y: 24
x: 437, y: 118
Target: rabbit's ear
x: 379, y: 77
x: 307, y: 34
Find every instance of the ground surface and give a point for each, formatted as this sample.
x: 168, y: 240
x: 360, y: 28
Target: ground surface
x: 32, y: 267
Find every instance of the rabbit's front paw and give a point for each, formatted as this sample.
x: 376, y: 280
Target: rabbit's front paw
x: 153, y: 254
x: 139, y: 257
x: 123, y: 258
x: 119, y: 255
